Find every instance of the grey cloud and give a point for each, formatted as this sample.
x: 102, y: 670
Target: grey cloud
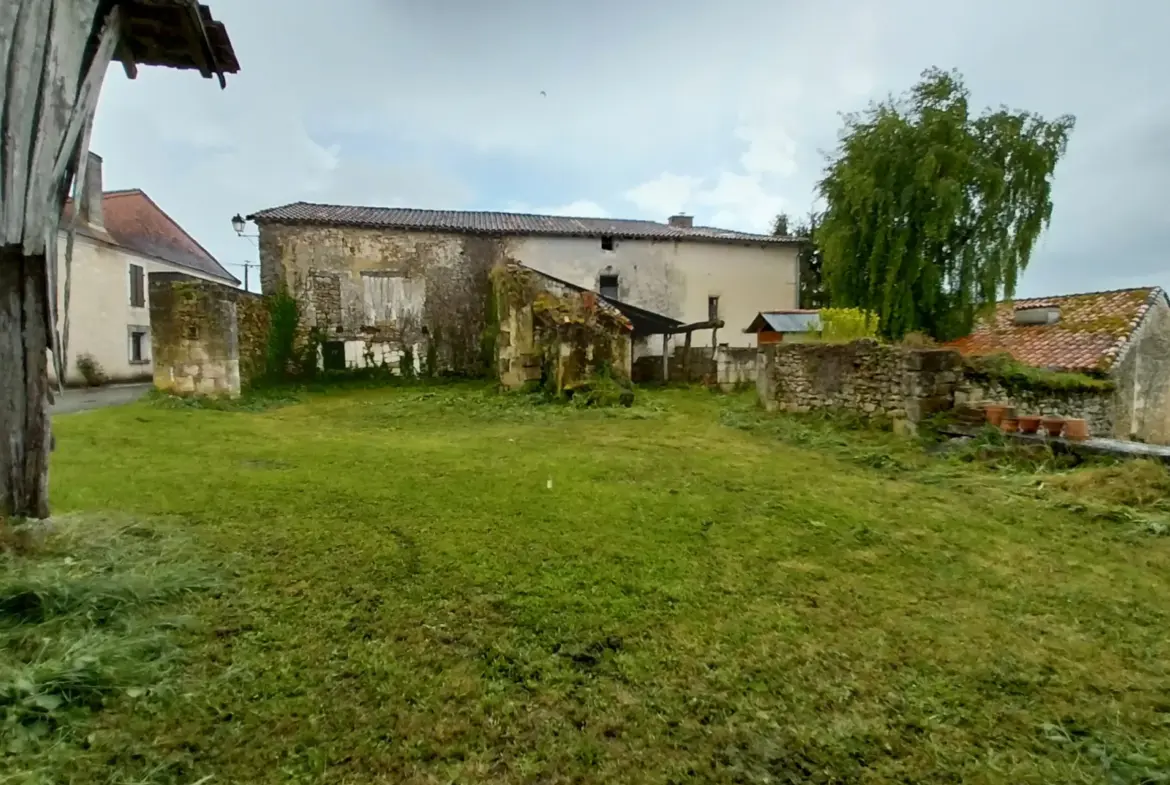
x: 632, y: 89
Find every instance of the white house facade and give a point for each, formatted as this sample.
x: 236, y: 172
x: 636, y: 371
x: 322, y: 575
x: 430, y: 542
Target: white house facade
x: 122, y: 238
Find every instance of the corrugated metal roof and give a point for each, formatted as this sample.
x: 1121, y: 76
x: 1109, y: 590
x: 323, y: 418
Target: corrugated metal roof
x: 472, y: 222
x: 785, y: 321
x: 792, y: 322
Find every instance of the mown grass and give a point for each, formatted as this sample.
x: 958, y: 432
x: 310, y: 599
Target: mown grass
x: 447, y: 585
x: 84, y: 626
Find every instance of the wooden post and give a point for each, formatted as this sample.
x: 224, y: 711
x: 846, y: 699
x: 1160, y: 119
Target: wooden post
x: 687, y: 358
x: 24, y: 385
x: 54, y: 58
x: 665, y: 358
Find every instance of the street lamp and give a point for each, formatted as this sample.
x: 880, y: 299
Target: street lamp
x: 238, y: 223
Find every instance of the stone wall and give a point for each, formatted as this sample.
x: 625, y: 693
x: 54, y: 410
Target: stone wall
x: 735, y: 366
x: 1096, y: 407
x: 252, y: 321
x: 195, y: 337
x: 1142, y: 375
x: 386, y: 293
x: 552, y: 332
x: 865, y: 376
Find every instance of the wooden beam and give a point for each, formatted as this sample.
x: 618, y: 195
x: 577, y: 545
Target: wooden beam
x: 25, y: 37
x: 689, y: 328
x: 665, y: 358
x: 87, y: 94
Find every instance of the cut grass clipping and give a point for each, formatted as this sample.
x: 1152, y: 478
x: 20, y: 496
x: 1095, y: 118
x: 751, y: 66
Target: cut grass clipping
x: 449, y: 585
x: 82, y: 624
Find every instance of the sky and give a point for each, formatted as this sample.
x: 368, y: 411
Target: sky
x: 639, y: 109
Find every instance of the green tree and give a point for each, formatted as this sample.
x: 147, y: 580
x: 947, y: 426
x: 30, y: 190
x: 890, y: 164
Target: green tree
x: 780, y: 225
x: 932, y: 212
x: 812, y: 286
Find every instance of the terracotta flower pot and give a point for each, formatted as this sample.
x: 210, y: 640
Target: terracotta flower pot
x: 1009, y: 424
x: 1029, y: 423
x: 1052, y: 426
x: 995, y: 413
x: 1076, y: 429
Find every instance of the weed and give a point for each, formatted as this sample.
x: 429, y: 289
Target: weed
x: 1017, y: 377
x: 254, y: 399
x: 1140, y: 484
x: 91, y: 370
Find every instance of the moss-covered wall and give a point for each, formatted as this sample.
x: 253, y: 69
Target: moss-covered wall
x: 252, y: 329
x: 195, y: 338
x: 440, y: 285
x: 554, y: 333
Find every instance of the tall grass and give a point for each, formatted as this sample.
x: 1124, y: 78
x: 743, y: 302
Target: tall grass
x: 83, y: 623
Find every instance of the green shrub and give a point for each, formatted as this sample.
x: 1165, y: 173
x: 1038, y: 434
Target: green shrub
x: 284, y: 319
x: 91, y: 370
x: 846, y: 324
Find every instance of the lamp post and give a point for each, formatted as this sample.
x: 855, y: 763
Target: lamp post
x: 238, y: 225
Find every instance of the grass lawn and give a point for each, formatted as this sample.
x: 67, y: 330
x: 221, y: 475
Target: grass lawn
x: 446, y: 586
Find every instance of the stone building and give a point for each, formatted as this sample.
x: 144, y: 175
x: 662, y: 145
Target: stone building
x: 122, y: 239
x: 389, y: 279
x: 1122, y: 335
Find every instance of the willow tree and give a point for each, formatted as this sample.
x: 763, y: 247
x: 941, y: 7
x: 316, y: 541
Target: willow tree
x: 932, y: 213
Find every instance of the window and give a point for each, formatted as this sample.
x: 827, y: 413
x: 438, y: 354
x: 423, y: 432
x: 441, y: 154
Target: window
x: 712, y: 309
x: 139, y: 344
x: 137, y: 286
x: 389, y: 297
x: 607, y: 243
x: 607, y: 284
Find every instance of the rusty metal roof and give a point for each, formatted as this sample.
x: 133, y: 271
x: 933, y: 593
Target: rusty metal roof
x: 1091, y: 334
x: 133, y: 221
x: 493, y: 223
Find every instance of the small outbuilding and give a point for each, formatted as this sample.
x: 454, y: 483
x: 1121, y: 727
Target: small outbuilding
x: 784, y: 326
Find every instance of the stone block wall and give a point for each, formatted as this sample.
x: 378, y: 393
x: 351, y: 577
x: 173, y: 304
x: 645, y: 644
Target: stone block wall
x: 865, y: 376
x: 252, y: 321
x: 1096, y: 407
x: 549, y: 329
x: 195, y: 337
x: 735, y: 366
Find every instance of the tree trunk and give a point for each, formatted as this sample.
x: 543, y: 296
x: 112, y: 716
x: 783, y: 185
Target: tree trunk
x: 24, y: 385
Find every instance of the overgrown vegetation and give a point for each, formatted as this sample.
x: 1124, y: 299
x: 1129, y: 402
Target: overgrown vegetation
x: 933, y: 212
x: 1017, y: 377
x: 85, y: 625
x: 446, y: 584
x: 91, y: 370
x: 842, y: 325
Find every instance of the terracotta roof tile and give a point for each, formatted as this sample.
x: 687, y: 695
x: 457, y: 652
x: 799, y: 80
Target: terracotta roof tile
x: 133, y: 221
x: 1092, y: 331
x: 472, y: 222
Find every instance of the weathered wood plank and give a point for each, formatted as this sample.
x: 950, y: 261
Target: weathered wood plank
x: 23, y: 72
x: 83, y: 103
x: 9, y: 11
x: 24, y: 411
x: 61, y: 75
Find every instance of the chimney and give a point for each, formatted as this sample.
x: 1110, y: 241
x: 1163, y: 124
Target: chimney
x: 90, y: 209
x: 682, y: 221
